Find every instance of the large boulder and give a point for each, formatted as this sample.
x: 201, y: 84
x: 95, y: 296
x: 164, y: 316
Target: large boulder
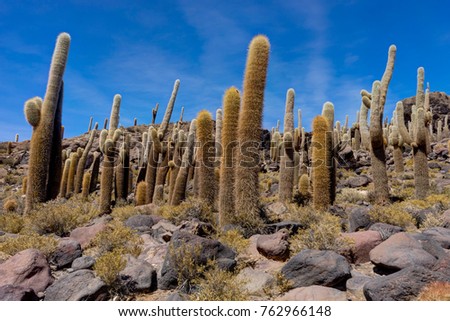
x: 440, y: 235
x: 255, y: 281
x: 83, y: 263
x: 274, y: 246
x: 81, y: 285
x: 362, y: 243
x: 400, y: 251
x: 314, y: 293
x: 201, y: 251
x: 359, y: 219
x: 17, y: 293
x: 85, y: 234
x: 357, y: 181
x: 141, y: 223
x: 403, y: 285
x: 67, y: 251
x: 27, y: 269
x: 386, y: 230
x: 314, y: 267
x: 138, y: 275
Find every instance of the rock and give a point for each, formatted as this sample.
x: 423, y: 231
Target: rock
x: 446, y: 218
x: 255, y: 281
x: 17, y: 293
x: 176, y: 296
x: 314, y: 293
x: 147, y: 209
x: 355, y: 287
x: 443, y: 265
x: 28, y: 269
x: 440, y: 235
x: 357, y: 181
x: 433, y: 165
x: 359, y: 219
x: 314, y: 267
x: 203, y: 250
x: 253, y: 258
x: 276, y: 209
x: 291, y: 226
x: 197, y: 227
x: 84, y: 235
x: 67, y: 251
x: 362, y: 243
x: 83, y: 263
x: 153, y: 252
x: 81, y: 285
x: 274, y: 246
x: 429, y: 244
x: 403, y: 285
x: 3, y: 173
x: 386, y: 230
x: 163, y: 230
x: 138, y: 275
x: 140, y: 223
x: 400, y: 251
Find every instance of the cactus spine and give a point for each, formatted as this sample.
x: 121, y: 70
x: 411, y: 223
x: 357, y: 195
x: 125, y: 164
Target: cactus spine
x: 231, y: 105
x: 287, y: 163
x: 205, y: 157
x: 249, y: 130
x: 320, y: 170
x: 378, y: 156
x: 41, y: 151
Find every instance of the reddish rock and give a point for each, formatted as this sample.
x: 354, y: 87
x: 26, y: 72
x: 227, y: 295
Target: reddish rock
x: 362, y: 243
x: 17, y: 293
x: 67, y: 251
x: 274, y: 246
x: 27, y: 269
x: 84, y: 235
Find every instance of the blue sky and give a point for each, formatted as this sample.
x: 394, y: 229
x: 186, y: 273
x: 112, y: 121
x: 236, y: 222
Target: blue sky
x: 325, y: 50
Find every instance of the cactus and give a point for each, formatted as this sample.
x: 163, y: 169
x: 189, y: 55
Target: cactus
x: 416, y: 138
x: 16, y: 139
x: 357, y: 140
x: 320, y: 171
x: 90, y: 124
x: 123, y: 171
x: 9, y: 148
x: 363, y: 114
x: 74, y: 159
x: 181, y: 115
x: 43, y: 121
x: 135, y: 122
x: 303, y: 186
x: 205, y: 156
x: 105, y: 123
x: 65, y: 177
x: 218, y: 136
x: 86, y: 186
x: 328, y: 114
x: 378, y: 156
x: 153, y: 150
x: 95, y: 168
x: 82, y: 162
x: 140, y: 193
x: 176, y: 162
x: 446, y: 131
x: 24, y: 185
x: 114, y: 118
x: 106, y: 181
x: 179, y: 192
x: 231, y: 105
x: 287, y: 164
x: 275, y: 143
x: 154, y: 113
x: 397, y: 150
x: 439, y: 130
x: 165, y: 123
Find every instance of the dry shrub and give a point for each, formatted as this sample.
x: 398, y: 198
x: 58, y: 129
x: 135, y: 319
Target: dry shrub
x: 219, y: 285
x: 235, y: 240
x: 119, y: 238
x: 60, y: 217
x: 351, y: 195
x: 322, y: 234
x: 14, y: 245
x: 394, y: 214
x: 11, y: 223
x: 10, y: 205
x: 435, y: 291
x: 108, y: 267
x: 123, y: 213
x: 189, y: 209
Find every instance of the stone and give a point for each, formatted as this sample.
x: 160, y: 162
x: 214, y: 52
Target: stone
x: 314, y: 293
x: 403, y: 285
x: 276, y: 209
x: 355, y: 287
x: 28, y: 269
x: 440, y: 235
x: 400, y: 251
x: 83, y: 263
x: 203, y: 250
x: 255, y: 281
x: 138, y: 275
x: 85, y: 234
x: 68, y: 250
x: 362, y: 243
x: 163, y: 230
x: 386, y: 230
x: 140, y: 223
x: 314, y: 267
x: 17, y: 293
x: 81, y: 285
x: 153, y: 252
x: 291, y: 226
x: 274, y: 246
x: 357, y: 181
x: 359, y: 219
x: 443, y: 265
x: 446, y: 218
x: 197, y: 227
x: 147, y: 209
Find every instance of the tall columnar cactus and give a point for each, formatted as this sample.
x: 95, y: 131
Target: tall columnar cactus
x: 275, y: 143
x: 357, y: 139
x: 140, y: 193
x: 320, y: 171
x: 287, y: 162
x: 95, y: 169
x: 74, y: 159
x: 328, y: 114
x: 154, y: 113
x: 16, y: 139
x: 363, y: 116
x: 218, y: 136
x: 416, y: 138
x: 397, y: 153
x: 105, y: 123
x: 378, y: 156
x: 231, y: 105
x: 123, y: 171
x: 175, y: 164
x: 106, y: 181
x: 43, y: 121
x: 165, y: 123
x: 445, y: 130
x: 90, y: 124
x: 65, y: 177
x: 83, y: 159
x: 179, y: 192
x: 249, y: 131
x: 206, y: 155
x: 439, y: 130
x: 153, y: 150
x: 85, y: 186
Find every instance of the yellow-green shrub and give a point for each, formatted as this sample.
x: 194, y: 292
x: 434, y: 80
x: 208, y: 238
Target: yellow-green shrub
x: 10, y: 205
x: 235, y: 240
x: 11, y: 223
x: 394, y: 214
x: 109, y: 265
x: 190, y: 208
x: 436, y: 291
x: 13, y: 245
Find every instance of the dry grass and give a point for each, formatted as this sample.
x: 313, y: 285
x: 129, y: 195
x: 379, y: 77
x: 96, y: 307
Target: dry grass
x: 394, y: 214
x: 351, y: 195
x: 235, y: 240
x: 10, y: 205
x: 108, y: 267
x: 189, y: 209
x: 11, y: 223
x: 436, y: 291
x: 14, y: 245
